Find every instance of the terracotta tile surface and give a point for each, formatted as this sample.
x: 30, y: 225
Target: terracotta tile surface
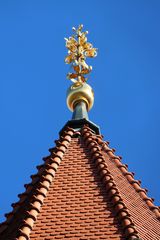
x: 144, y: 214
x: 76, y: 206
x: 144, y: 218
x: 82, y: 191
x: 20, y: 221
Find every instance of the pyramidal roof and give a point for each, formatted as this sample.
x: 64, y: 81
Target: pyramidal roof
x: 82, y: 190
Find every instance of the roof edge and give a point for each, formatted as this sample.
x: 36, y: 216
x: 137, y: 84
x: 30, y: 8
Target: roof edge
x: 121, y: 211
x: 130, y: 177
x: 37, y: 189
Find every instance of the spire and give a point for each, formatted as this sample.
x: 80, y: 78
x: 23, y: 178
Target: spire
x: 80, y: 95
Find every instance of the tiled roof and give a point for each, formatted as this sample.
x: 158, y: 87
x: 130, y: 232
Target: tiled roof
x: 82, y: 191
x: 144, y: 215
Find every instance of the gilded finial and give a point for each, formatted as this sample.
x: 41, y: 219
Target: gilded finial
x: 78, y: 50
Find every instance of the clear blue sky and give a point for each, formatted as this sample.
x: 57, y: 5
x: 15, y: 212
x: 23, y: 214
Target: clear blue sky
x: 125, y: 78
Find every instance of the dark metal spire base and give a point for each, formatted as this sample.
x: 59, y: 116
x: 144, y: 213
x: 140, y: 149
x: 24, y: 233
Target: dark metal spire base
x: 78, y: 124
x: 80, y: 118
x: 80, y: 111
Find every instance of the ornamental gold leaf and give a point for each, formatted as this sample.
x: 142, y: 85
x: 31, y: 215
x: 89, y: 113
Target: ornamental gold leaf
x: 78, y: 50
x: 76, y: 68
x: 91, y: 52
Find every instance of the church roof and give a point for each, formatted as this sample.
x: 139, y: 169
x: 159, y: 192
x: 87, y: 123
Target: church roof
x: 82, y: 191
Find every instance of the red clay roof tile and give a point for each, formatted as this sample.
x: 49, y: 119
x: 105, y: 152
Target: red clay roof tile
x: 82, y: 191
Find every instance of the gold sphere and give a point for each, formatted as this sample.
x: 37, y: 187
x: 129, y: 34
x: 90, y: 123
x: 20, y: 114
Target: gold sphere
x: 80, y: 92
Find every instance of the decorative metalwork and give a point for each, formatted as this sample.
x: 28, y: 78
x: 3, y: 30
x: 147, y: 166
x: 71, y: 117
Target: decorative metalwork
x: 78, y: 50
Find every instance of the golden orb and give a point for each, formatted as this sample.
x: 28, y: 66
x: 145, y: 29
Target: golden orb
x: 78, y: 92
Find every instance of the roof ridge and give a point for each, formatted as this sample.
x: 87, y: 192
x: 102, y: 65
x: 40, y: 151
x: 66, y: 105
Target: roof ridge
x: 129, y: 229
x: 130, y: 177
x: 42, y: 179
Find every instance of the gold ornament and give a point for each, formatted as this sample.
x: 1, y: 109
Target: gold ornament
x: 78, y: 50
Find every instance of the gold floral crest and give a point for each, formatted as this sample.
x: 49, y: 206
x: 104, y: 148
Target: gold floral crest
x: 78, y: 50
